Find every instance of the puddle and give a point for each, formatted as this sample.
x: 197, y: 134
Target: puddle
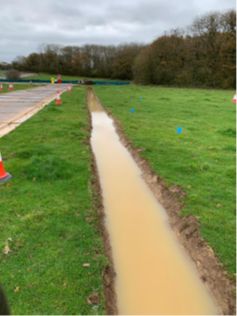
x: 154, y: 276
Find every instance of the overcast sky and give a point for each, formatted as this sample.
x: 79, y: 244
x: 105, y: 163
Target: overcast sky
x: 25, y: 24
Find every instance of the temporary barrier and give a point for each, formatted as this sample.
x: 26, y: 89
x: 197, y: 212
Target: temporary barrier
x: 4, y: 176
x: 66, y: 81
x: 58, y: 98
x: 234, y: 99
x: 25, y: 80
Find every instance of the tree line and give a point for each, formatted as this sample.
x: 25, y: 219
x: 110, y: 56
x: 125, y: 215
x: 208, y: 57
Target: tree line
x: 95, y: 61
x: 203, y: 55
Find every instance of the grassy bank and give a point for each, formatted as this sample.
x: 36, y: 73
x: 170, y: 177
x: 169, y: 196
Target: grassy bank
x: 47, y: 216
x: 201, y: 158
x: 42, y: 76
x: 17, y: 87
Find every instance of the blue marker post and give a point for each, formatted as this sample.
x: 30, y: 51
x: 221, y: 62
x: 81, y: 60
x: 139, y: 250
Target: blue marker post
x: 179, y: 130
x: 140, y: 99
x: 117, y: 89
x: 132, y: 110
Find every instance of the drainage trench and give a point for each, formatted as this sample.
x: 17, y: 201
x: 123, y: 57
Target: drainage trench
x: 153, y: 274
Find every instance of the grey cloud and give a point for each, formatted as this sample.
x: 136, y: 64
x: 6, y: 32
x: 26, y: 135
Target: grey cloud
x: 24, y: 24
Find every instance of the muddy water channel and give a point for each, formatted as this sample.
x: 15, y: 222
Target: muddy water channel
x: 153, y: 275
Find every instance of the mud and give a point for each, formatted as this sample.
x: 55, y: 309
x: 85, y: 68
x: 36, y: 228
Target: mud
x: 109, y: 272
x: 186, y: 230
x: 92, y: 101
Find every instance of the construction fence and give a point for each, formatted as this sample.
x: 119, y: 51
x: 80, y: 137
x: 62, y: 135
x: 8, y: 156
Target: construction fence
x: 89, y: 82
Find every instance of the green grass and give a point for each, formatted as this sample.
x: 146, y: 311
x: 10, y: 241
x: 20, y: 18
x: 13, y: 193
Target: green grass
x: 42, y: 76
x: 16, y: 87
x: 202, y: 155
x: 45, y: 210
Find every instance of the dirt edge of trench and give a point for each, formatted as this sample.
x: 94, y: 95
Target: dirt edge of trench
x: 186, y: 230
x: 109, y: 274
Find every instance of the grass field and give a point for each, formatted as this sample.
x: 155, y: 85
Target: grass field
x: 16, y: 87
x: 47, y: 216
x: 201, y: 158
x: 42, y: 76
x: 47, y: 208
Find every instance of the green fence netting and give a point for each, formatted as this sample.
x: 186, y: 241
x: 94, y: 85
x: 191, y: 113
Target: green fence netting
x: 65, y: 81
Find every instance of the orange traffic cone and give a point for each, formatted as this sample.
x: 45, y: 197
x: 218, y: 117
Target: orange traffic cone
x: 58, y: 98
x: 11, y: 86
x: 1, y: 89
x: 4, y: 176
x: 69, y: 88
x: 234, y: 99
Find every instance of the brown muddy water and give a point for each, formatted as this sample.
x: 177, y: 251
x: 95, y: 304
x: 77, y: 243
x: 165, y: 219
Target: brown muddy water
x: 153, y: 274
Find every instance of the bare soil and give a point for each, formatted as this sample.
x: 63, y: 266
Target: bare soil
x: 25, y: 75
